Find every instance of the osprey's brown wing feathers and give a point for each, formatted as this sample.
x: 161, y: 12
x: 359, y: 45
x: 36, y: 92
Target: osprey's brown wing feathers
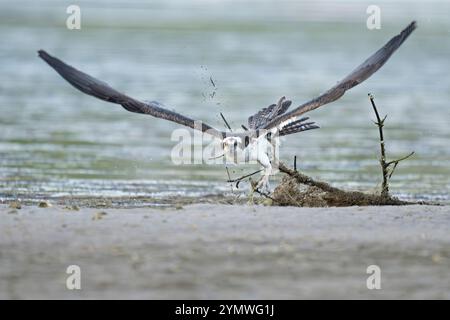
x: 268, y: 118
x: 361, y: 73
x: 102, y: 90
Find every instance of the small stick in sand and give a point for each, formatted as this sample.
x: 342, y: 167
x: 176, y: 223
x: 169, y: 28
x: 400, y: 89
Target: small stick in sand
x: 228, y: 126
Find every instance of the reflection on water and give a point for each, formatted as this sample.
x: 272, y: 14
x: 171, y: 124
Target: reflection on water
x: 56, y: 141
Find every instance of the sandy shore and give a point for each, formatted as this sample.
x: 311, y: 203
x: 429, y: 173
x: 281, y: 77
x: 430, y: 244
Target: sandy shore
x: 222, y: 251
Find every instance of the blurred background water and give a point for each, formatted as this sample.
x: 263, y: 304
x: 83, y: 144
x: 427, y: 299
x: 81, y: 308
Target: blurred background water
x: 55, y: 141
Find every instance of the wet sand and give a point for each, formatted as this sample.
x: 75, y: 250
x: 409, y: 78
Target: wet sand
x: 225, y: 252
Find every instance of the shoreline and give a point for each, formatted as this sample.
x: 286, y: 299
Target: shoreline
x: 131, y: 202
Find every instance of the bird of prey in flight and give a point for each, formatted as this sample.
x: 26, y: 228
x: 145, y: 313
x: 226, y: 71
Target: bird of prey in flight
x: 257, y: 142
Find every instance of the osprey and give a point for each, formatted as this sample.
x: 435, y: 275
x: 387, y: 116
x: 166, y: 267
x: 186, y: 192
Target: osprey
x: 257, y: 142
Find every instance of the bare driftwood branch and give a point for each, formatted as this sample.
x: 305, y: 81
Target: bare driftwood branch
x: 386, y: 169
x: 304, y: 179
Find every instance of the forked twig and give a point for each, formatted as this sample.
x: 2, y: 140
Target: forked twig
x: 238, y: 180
x: 395, y: 163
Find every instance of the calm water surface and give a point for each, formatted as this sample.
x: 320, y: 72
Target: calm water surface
x: 55, y: 141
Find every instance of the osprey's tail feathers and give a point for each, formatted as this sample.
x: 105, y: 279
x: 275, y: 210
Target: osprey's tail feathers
x: 298, y: 126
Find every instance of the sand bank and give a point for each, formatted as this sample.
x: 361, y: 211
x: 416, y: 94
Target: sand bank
x: 223, y: 251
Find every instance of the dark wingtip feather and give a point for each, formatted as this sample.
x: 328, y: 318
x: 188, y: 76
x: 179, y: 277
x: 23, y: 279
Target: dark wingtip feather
x: 52, y: 61
x: 410, y: 28
x: 43, y: 54
x: 405, y: 33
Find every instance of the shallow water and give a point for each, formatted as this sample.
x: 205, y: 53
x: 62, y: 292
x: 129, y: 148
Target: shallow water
x: 55, y: 141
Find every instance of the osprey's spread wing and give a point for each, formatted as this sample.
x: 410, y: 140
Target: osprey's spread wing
x: 102, y: 90
x: 274, y: 116
x: 361, y: 73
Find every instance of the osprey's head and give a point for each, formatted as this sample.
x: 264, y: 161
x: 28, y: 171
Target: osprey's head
x: 230, y: 145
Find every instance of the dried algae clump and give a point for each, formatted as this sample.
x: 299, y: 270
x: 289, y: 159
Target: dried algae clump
x: 290, y: 193
x: 297, y: 189
x: 44, y: 204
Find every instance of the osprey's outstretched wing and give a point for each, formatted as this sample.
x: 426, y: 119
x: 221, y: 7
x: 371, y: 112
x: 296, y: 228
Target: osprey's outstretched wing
x: 361, y: 73
x: 102, y: 90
